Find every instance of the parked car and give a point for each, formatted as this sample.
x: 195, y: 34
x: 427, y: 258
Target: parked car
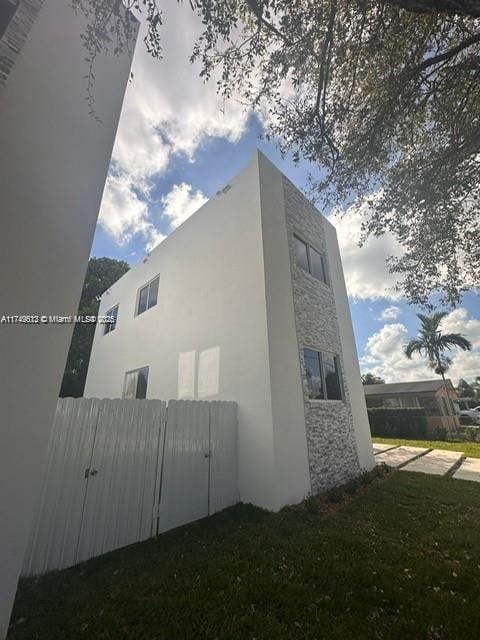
x: 470, y: 416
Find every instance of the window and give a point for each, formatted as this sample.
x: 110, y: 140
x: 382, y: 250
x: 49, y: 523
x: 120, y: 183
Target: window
x: 323, y: 375
x: 136, y: 384
x: 332, y: 377
x: 317, y: 268
x: 301, y: 252
x: 313, y: 369
x: 310, y: 260
x: 7, y: 11
x: 148, y: 296
x: 110, y: 326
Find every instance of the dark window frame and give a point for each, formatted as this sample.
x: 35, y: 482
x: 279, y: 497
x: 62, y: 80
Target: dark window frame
x: 325, y: 280
x: 337, y: 361
x: 109, y: 327
x: 137, y: 371
x: 147, y: 286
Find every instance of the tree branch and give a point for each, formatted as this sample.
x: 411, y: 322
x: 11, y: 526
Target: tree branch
x: 450, y: 53
x: 455, y: 7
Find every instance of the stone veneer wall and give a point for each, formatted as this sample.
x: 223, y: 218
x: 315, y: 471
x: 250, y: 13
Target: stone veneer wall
x: 16, y: 34
x: 330, y: 434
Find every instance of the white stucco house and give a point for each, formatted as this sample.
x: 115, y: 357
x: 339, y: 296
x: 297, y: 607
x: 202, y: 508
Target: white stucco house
x: 246, y: 301
x: 54, y: 161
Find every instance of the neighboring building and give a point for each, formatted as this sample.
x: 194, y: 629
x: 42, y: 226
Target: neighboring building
x: 55, y: 158
x: 440, y: 407
x: 246, y: 301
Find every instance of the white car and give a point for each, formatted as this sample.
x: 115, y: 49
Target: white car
x: 473, y: 414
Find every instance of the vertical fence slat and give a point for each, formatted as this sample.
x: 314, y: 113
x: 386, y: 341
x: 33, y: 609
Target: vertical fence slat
x: 54, y: 534
x: 184, y: 491
x: 223, y: 462
x: 120, y: 496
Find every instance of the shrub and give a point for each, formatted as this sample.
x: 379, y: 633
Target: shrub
x: 398, y: 423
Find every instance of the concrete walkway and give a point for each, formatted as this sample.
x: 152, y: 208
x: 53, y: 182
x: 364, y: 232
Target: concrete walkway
x: 399, y: 456
x: 378, y: 447
x: 469, y: 470
x: 436, y: 462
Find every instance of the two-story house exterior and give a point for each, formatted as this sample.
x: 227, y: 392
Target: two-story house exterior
x: 246, y: 301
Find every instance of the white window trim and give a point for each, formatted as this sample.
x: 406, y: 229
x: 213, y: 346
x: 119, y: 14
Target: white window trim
x: 137, y: 298
x: 147, y: 367
x: 105, y: 332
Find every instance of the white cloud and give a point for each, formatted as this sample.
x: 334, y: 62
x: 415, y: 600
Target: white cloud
x: 168, y: 110
x: 390, y: 313
x: 124, y: 213
x: 180, y: 203
x: 366, y: 272
x: 155, y: 237
x: 384, y: 354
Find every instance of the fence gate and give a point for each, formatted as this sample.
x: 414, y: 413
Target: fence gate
x: 119, y: 472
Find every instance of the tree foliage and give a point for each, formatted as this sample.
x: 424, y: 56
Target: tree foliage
x: 464, y: 389
x: 101, y: 274
x: 383, y: 96
x: 370, y: 378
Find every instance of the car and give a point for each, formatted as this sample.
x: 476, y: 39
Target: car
x: 470, y: 416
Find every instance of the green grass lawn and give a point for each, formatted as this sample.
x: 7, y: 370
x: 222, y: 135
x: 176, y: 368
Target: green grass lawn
x: 470, y: 449
x: 400, y: 559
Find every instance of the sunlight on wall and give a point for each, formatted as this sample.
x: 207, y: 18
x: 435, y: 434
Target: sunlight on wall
x: 200, y: 383
x: 209, y: 373
x: 186, y: 375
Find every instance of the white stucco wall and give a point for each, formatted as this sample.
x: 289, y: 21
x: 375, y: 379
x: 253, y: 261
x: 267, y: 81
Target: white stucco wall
x: 207, y: 336
x: 54, y: 160
x: 350, y: 358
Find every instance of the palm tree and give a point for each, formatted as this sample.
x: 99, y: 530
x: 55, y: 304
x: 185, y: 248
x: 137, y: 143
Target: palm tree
x: 431, y: 343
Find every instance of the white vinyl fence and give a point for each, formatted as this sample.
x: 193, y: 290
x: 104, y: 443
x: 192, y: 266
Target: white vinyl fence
x: 121, y: 471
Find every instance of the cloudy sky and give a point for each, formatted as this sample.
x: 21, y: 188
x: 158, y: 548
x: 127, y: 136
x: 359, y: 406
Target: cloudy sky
x: 178, y: 143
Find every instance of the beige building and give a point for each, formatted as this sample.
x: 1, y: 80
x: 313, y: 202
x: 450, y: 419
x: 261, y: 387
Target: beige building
x: 440, y: 406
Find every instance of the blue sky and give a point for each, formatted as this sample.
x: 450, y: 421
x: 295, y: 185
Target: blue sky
x: 178, y: 143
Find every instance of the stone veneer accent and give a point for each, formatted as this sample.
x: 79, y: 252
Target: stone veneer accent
x: 330, y: 434
x: 16, y: 34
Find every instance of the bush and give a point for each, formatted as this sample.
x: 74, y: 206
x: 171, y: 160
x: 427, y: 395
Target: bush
x: 398, y: 423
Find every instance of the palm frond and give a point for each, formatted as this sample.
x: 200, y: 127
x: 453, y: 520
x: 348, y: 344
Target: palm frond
x: 450, y: 340
x: 414, y: 346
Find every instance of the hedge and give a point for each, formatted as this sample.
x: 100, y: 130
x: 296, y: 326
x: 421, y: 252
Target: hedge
x: 398, y: 423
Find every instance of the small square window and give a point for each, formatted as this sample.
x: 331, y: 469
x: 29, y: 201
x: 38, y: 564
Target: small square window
x: 135, y: 385
x: 111, y: 326
x: 148, y: 296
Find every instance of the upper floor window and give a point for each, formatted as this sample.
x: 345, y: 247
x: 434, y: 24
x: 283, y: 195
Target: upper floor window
x: 110, y: 326
x: 7, y: 11
x: 323, y: 375
x: 309, y: 259
x: 148, y: 296
x: 135, y: 385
